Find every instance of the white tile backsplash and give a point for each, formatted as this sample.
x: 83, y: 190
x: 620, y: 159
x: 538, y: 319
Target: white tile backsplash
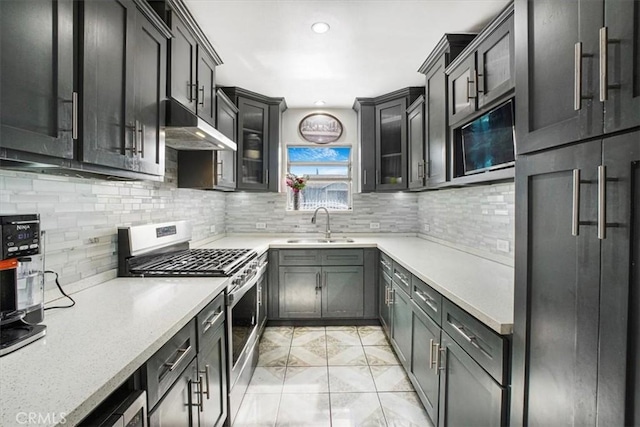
x: 81, y: 216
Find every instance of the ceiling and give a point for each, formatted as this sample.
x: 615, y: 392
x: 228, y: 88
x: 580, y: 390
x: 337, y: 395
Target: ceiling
x: 373, y: 47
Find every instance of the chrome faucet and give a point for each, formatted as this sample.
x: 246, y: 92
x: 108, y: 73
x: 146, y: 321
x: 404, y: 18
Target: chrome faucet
x: 327, y: 233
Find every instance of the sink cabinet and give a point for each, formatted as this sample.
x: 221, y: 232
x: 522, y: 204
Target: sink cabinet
x: 323, y: 284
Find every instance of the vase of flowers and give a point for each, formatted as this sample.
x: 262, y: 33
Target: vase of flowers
x: 296, y: 183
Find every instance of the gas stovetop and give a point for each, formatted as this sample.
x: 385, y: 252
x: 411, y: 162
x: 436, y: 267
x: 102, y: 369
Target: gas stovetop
x: 193, y: 262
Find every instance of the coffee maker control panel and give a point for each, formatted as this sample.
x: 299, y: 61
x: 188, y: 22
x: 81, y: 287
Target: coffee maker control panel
x: 20, y: 235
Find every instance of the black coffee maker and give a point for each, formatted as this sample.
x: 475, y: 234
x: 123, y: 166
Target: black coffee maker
x: 21, y: 282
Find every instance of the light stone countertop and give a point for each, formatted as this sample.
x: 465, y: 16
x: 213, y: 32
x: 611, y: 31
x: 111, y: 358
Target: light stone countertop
x: 90, y: 349
x: 482, y: 287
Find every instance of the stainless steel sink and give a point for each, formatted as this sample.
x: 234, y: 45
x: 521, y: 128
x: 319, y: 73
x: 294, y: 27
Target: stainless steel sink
x: 335, y: 240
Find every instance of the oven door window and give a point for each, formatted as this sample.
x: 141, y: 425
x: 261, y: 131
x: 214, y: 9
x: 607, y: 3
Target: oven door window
x: 243, y: 321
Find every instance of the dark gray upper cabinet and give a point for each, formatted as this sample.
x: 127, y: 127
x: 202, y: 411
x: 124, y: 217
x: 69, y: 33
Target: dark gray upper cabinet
x: 415, y: 136
x: 227, y: 123
x: 206, y: 85
x: 123, y: 81
x: 183, y: 50
x: 435, y: 114
x: 366, y: 110
x: 259, y: 119
x: 577, y: 69
x: 483, y: 73
x: 468, y: 395
x: 36, y: 77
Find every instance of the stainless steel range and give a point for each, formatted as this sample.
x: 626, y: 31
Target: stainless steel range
x: 162, y: 250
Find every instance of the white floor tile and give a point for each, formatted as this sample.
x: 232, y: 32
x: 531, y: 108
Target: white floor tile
x: 308, y: 410
x: 404, y: 409
x: 356, y: 410
x: 350, y: 379
x: 306, y: 380
x: 258, y: 410
x: 267, y: 380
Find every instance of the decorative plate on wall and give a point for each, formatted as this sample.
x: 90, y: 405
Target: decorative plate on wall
x: 320, y: 128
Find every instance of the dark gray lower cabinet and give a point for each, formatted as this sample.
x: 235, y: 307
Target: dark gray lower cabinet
x: 425, y: 337
x: 401, y: 325
x: 342, y: 291
x: 468, y: 394
x: 300, y: 292
x: 212, y: 364
x: 178, y: 407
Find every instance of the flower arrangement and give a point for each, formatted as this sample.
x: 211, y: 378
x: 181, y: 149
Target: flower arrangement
x: 296, y: 183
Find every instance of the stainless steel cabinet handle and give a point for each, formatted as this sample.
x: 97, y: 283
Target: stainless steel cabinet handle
x: 220, y: 166
x: 317, y: 282
x: 206, y: 373
x: 439, y: 352
x: 201, y: 90
x: 602, y: 202
x: 469, y: 96
x: 604, y: 45
x: 364, y: 177
x: 460, y: 329
x: 198, y: 393
x: 386, y: 295
x: 74, y: 115
x: 213, y: 320
x: 577, y: 77
x: 183, y: 353
x: 266, y: 176
x: 431, y: 360
x: 477, y: 81
x: 575, y: 212
x: 141, y: 140
x: 377, y: 176
x: 190, y: 91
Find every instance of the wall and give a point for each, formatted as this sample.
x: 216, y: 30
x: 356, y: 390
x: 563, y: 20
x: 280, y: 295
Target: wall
x: 473, y: 218
x: 81, y: 216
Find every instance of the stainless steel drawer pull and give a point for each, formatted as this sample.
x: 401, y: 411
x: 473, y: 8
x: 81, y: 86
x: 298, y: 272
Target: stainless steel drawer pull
x: 577, y: 77
x: 427, y: 300
x: 460, y: 329
x: 74, y: 115
x: 212, y: 320
x: 183, y: 353
x: 604, y: 45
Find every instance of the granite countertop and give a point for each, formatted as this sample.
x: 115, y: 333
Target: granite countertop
x: 90, y: 349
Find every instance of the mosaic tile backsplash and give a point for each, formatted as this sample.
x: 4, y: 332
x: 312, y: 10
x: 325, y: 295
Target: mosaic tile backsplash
x: 81, y: 216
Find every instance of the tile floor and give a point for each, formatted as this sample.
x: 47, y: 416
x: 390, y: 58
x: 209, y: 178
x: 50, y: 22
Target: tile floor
x: 340, y: 376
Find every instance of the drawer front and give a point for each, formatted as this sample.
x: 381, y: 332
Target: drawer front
x: 165, y: 366
x: 386, y: 264
x: 299, y: 257
x: 485, y: 346
x: 342, y: 257
x: 427, y: 299
x: 208, y: 320
x: 402, y: 277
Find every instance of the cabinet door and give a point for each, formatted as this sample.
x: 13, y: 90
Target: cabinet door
x: 36, y: 76
x: 226, y: 122
x: 555, y: 337
x: 367, y: 135
x: 150, y: 82
x: 262, y: 300
x: 391, y: 145
x: 619, y: 351
x: 496, y: 64
x: 300, y: 292
x: 212, y: 365
x: 415, y: 134
x: 436, y: 124
x: 463, y: 90
x: 179, y: 406
x: 383, y: 301
x: 109, y: 129
x: 622, y: 104
x: 183, y: 51
x: 343, y: 292
x: 252, y: 146
x: 206, y: 87
x: 468, y: 395
x: 425, y: 338
x: 401, y: 325
x: 547, y: 93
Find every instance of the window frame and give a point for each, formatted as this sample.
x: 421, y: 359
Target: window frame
x: 349, y: 179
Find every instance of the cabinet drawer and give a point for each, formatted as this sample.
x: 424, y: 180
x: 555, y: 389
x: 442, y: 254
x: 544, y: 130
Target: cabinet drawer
x: 342, y: 257
x: 299, y: 257
x: 427, y: 299
x: 165, y: 366
x: 402, y: 277
x: 483, y: 345
x: 386, y: 263
x: 209, y: 319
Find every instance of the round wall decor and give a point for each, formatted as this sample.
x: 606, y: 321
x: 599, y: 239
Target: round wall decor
x: 320, y: 128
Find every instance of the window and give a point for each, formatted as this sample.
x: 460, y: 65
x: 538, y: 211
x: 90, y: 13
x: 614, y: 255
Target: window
x: 329, y: 173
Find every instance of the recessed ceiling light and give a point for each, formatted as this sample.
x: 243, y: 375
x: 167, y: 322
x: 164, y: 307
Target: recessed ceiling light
x: 319, y: 103
x: 320, y: 27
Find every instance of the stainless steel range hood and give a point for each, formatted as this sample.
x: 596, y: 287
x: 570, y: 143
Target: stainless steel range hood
x: 186, y: 131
